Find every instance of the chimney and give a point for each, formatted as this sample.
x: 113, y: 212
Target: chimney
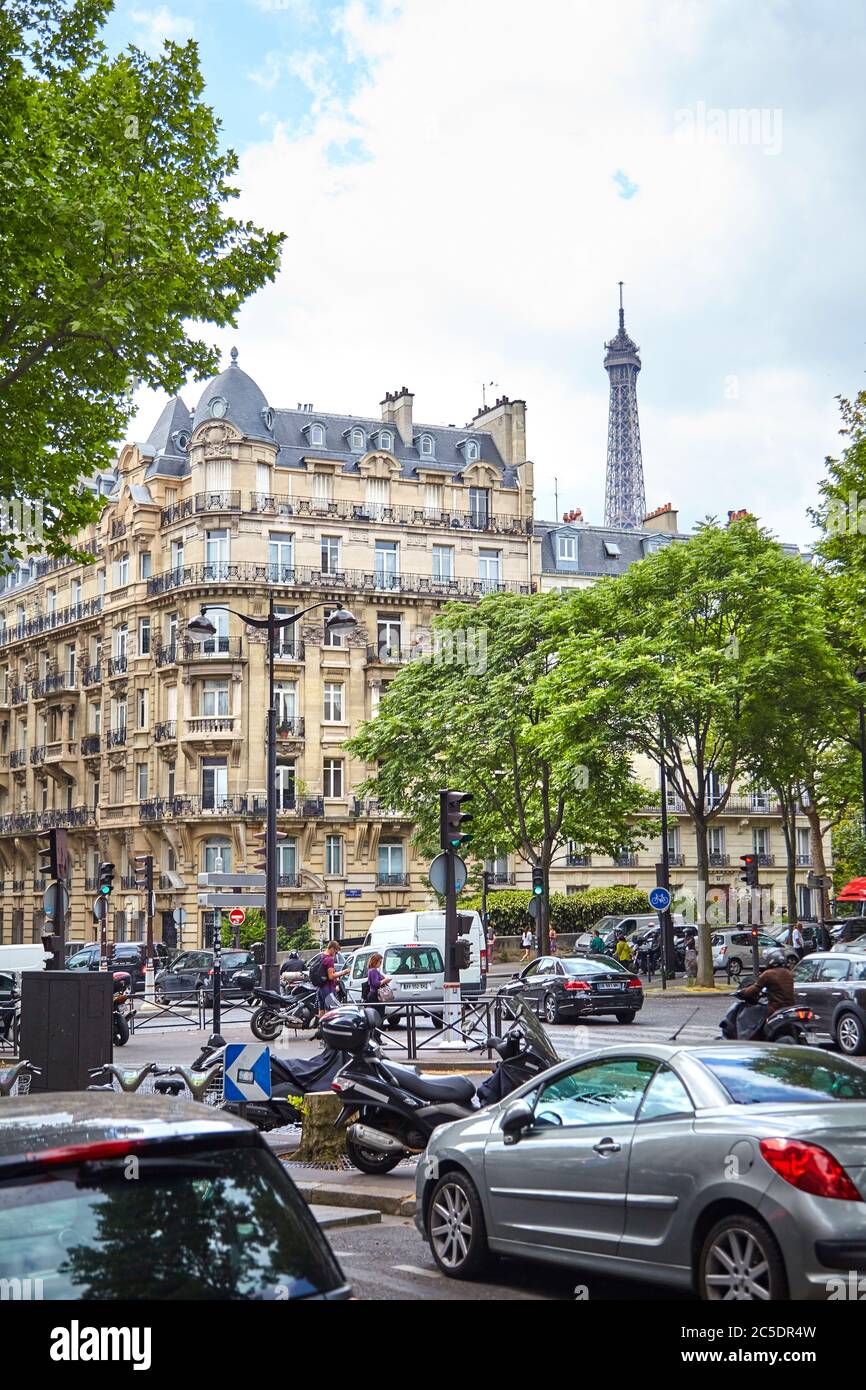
x: 737, y: 515
x: 506, y: 421
x: 575, y: 515
x: 664, y: 518
x: 397, y: 410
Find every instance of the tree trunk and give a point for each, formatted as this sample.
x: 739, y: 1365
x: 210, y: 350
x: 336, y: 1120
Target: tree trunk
x: 817, y: 843
x: 789, y: 832
x: 706, y: 977
x: 320, y: 1141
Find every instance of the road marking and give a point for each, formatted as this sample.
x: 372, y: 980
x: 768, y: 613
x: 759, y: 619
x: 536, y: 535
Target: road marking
x: 416, y: 1269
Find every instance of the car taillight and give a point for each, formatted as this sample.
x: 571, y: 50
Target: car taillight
x: 723, y: 951
x: 576, y: 984
x: 810, y: 1168
x: 74, y: 1153
x: 634, y: 983
x: 483, y: 960
x: 805, y: 1014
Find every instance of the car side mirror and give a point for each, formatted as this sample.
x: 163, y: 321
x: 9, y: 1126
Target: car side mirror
x: 516, y: 975
x: 516, y: 1119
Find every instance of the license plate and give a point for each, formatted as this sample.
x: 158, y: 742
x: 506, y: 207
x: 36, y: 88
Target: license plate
x: 418, y: 987
x: 609, y: 986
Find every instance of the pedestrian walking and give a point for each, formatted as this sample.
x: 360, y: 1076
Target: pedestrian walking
x: 526, y: 942
x: 596, y: 945
x: 491, y: 942
x: 324, y: 975
x: 552, y: 939
x: 691, y: 960
x: 376, y: 991
x: 798, y: 941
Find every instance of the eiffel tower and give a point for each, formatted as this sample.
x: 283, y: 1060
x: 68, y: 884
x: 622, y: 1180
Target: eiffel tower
x: 624, y: 496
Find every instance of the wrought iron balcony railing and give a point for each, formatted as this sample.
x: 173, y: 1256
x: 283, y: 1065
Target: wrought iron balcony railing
x: 92, y: 675
x: 118, y: 665
x: 201, y: 504
x: 49, y: 622
x: 303, y: 576
x: 165, y: 732
x: 117, y: 737
x: 90, y: 744
x: 392, y: 880
x: 579, y: 861
x: 718, y: 860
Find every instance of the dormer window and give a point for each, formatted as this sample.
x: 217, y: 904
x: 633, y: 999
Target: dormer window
x: 356, y: 440
x: 612, y: 550
x: 180, y: 439
x: 425, y: 446
x: 386, y: 440
x: 268, y: 417
x: 316, y: 435
x: 471, y: 452
x: 567, y: 548
x: 217, y: 407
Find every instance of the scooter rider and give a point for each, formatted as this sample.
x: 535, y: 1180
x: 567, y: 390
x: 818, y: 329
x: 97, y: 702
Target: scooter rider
x: 777, y: 980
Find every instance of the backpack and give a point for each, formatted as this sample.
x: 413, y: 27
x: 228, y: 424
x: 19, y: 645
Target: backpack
x: 318, y: 971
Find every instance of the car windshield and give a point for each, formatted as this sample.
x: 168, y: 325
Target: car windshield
x: 222, y: 1229
x: 232, y: 959
x: 412, y: 960
x: 605, y: 924
x: 593, y: 965
x: 193, y: 960
x: 795, y: 1076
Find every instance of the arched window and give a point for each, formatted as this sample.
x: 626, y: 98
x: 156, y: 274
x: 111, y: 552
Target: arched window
x: 217, y: 855
x: 426, y: 446
x: 471, y: 451
x: 317, y: 436
x: 357, y: 438
x: 386, y: 440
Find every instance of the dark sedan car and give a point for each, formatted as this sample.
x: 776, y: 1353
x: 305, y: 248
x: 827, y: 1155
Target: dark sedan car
x: 575, y: 987
x: 833, y: 986
x: 192, y: 971
x: 123, y: 955
x: 211, y: 1215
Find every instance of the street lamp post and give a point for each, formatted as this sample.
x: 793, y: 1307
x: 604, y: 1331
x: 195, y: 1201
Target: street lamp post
x: 202, y: 630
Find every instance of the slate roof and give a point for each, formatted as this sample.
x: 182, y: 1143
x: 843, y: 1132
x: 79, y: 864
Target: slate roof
x: 592, y: 558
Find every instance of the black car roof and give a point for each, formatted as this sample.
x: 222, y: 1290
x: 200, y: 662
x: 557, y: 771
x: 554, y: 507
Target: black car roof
x: 33, y: 1123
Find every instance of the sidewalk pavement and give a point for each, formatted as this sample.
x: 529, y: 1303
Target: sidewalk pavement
x: 391, y: 1194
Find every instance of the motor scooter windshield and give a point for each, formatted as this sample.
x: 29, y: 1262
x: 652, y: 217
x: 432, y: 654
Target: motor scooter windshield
x: 517, y: 1010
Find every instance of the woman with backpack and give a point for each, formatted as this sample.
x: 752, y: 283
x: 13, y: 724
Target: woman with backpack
x: 324, y: 975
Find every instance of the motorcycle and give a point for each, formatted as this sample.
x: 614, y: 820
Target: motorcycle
x: 291, y: 1080
x: 299, y: 1008
x: 749, y: 1022
x: 389, y: 1111
x: 122, y: 1006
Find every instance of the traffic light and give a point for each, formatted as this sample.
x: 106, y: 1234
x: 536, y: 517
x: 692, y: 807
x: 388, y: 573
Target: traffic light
x: 105, y: 881
x: 453, y: 823
x: 144, y: 872
x: 462, y: 949
x: 750, y: 870
x: 259, y: 858
x: 52, y: 856
x: 537, y: 882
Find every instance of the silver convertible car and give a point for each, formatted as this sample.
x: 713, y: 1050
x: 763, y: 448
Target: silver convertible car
x: 735, y: 1169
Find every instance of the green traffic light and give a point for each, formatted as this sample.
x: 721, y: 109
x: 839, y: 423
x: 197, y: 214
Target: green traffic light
x: 105, y: 889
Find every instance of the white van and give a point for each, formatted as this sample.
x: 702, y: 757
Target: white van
x: 407, y: 928
x: 16, y: 958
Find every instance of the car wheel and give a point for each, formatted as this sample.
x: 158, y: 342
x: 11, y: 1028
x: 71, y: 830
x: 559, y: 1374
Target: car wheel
x: 265, y: 1025
x: 741, y: 1260
x: 792, y: 960
x: 850, y: 1035
x: 371, y: 1160
x: 455, y: 1225
x: 626, y: 1016
x: 551, y: 1008
x: 735, y: 968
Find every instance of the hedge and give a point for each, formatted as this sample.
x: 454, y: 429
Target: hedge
x: 508, y: 910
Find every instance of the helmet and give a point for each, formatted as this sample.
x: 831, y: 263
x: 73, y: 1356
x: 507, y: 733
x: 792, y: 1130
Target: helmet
x: 775, y: 959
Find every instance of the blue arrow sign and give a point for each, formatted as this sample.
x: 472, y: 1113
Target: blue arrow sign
x: 660, y: 899
x: 247, y: 1072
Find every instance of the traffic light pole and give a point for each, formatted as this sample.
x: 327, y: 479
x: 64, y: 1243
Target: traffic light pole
x: 216, y: 1039
x: 270, y: 963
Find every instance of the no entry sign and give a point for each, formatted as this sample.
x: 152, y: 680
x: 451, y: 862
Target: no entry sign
x: 237, y: 916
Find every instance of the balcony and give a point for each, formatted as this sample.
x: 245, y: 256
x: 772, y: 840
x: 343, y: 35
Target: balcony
x: 165, y: 732
x: 392, y: 880
x: 116, y: 737
x: 676, y: 861
x: 214, y: 649
x: 18, y: 757
x: 249, y: 572
x: 202, y: 504
x: 37, y: 755
x: 19, y: 695
x: 578, y: 861
x: 49, y: 622
x: 804, y: 861
x: 212, y: 727
x: 289, y: 651
x: 90, y: 744
x: 374, y: 809
x: 288, y: 729
x: 493, y: 523
x: 50, y: 685
x: 718, y: 860
x: 25, y: 822
x: 387, y: 654
x: 625, y: 861
x: 289, y: 881
x: 92, y: 675
x: 166, y: 656
x: 118, y: 665
x: 745, y: 806
x: 765, y: 861
x: 118, y: 529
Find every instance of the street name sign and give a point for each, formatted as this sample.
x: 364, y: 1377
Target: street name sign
x: 231, y: 900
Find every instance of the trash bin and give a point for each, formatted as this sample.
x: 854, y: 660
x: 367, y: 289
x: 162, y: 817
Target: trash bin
x: 66, y: 1026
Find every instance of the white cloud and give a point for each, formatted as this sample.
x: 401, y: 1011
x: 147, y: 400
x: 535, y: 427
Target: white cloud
x: 483, y: 236
x: 154, y: 27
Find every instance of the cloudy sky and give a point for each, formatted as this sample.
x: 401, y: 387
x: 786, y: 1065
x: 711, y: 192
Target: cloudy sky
x: 463, y: 183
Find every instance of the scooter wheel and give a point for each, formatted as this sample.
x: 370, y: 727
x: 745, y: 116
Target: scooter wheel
x: 371, y: 1160
x: 121, y: 1032
x: 265, y: 1025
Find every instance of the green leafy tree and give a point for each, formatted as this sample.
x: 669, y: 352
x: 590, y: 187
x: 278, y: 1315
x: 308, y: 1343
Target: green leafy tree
x: 684, y: 650
x: 252, y: 931
x: 485, y: 727
x: 841, y: 517
x: 114, y: 240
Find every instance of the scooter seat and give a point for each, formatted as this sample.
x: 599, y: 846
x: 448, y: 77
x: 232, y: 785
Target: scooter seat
x: 270, y: 996
x: 433, y: 1088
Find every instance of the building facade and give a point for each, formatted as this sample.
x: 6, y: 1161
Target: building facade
x: 115, y: 724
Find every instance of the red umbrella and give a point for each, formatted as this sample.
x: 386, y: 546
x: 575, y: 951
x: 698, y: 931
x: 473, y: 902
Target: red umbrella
x: 853, y: 892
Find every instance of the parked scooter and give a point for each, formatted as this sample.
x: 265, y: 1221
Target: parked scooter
x: 123, y: 1009
x: 291, y: 1079
x: 748, y: 1022
x: 299, y: 1008
x: 389, y: 1111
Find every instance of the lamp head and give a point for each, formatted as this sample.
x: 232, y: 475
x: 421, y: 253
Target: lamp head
x: 201, y: 628
x: 341, y: 620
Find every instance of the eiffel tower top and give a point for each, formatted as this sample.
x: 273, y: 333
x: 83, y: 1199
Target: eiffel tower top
x: 622, y: 349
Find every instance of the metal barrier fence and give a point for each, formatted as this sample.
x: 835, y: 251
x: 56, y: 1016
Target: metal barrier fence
x: 478, y: 1020
x: 189, y: 1011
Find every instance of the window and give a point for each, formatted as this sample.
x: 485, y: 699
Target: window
x: 378, y: 495
x: 471, y: 451
x: 145, y: 566
x: 497, y: 866
x: 333, y: 703
x: 389, y: 629
x: 286, y: 643
x: 317, y: 436
x: 142, y: 702
x: 804, y: 851
x: 118, y: 785
x: 600, y: 1093
x: 443, y: 562
x: 357, y: 439
x: 286, y: 785
x: 263, y: 485
x: 665, y: 1095
x: 144, y: 636
x: 489, y: 568
x: 220, y: 641
x: 716, y: 843
x: 217, y: 858
x: 141, y: 781
x: 216, y: 554
x: 94, y: 718
x: 50, y: 601
x: 171, y: 629
x: 287, y: 862
x: 121, y: 571
x: 567, y: 548
x: 217, y: 477
x: 100, y: 582
x: 177, y: 555
x: 214, y: 783
x: 118, y: 708
x: 70, y: 663
x: 761, y: 841
x: 281, y: 556
x: 426, y: 446
x: 479, y: 505
x: 75, y: 594
x: 286, y: 701
x: 121, y: 639
x: 390, y: 862
x: 331, y: 638
x: 323, y: 488
x: 334, y: 854
x: 331, y: 547
x: 673, y: 841
x: 215, y: 699
x: 612, y: 550
x: 434, y: 500
x: 387, y: 565
x: 332, y: 777
x: 386, y: 440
